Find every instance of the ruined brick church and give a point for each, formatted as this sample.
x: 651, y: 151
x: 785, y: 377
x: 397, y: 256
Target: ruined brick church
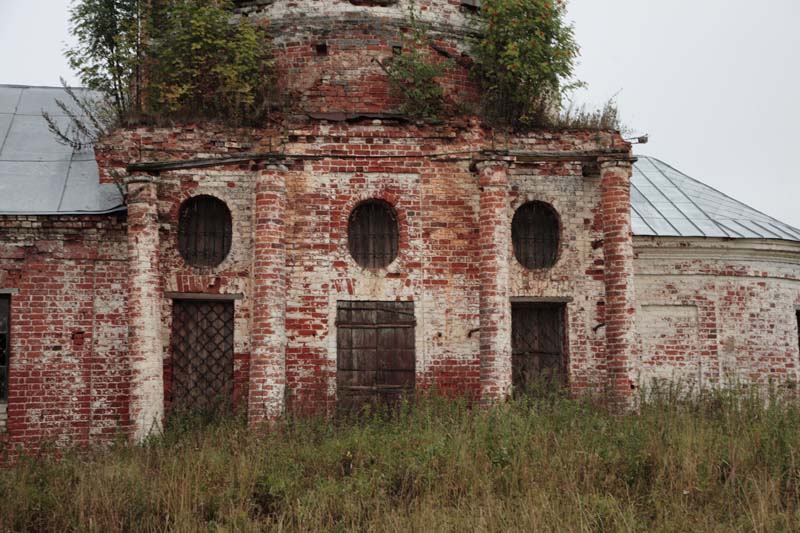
x: 348, y: 256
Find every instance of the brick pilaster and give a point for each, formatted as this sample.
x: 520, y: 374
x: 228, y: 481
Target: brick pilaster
x: 144, y: 308
x: 268, y: 335
x: 615, y: 184
x: 495, y: 309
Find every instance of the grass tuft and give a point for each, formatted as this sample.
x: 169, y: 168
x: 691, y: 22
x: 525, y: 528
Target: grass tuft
x: 605, y: 117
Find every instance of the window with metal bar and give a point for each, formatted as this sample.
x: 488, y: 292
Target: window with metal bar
x: 5, y: 344
x: 204, y: 231
x: 373, y: 234
x: 535, y: 233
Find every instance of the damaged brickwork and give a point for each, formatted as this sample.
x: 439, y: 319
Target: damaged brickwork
x: 299, y: 260
x: 717, y: 312
x: 69, y: 379
x: 92, y: 296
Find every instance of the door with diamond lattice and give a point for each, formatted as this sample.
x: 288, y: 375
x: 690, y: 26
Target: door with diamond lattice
x: 202, y: 355
x: 537, y: 347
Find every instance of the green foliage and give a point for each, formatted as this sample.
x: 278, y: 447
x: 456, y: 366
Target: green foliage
x: 161, y: 60
x: 201, y: 65
x: 720, y: 461
x: 108, y: 50
x: 414, y: 72
x: 524, y: 60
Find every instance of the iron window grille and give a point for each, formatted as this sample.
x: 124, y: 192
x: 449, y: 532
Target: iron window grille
x: 5, y: 344
x: 373, y: 234
x: 535, y: 232
x: 204, y: 231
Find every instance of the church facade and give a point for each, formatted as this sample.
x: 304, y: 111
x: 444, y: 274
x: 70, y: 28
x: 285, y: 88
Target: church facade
x: 349, y: 257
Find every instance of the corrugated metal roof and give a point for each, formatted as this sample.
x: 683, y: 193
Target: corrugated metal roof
x: 38, y: 175
x: 666, y: 202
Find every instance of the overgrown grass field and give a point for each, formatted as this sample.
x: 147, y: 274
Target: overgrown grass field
x: 727, y: 462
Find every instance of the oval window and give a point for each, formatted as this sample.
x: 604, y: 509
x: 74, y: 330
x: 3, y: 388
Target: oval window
x: 204, y: 231
x: 373, y: 234
x: 535, y: 233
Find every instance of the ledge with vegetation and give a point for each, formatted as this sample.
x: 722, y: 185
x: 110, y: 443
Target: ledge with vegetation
x: 190, y: 61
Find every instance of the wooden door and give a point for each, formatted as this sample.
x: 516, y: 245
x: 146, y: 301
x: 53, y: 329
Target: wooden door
x: 375, y: 353
x: 5, y: 344
x: 202, y: 355
x: 537, y: 347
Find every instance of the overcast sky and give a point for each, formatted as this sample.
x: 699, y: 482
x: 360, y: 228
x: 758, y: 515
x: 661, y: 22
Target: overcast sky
x: 714, y: 82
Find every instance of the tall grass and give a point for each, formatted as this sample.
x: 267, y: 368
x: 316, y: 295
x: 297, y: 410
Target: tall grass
x: 605, y: 117
x: 723, y: 462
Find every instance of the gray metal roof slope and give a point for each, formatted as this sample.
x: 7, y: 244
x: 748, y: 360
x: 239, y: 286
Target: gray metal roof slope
x: 38, y: 175
x: 668, y: 203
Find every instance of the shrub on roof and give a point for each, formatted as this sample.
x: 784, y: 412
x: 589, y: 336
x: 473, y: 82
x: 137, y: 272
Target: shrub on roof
x: 205, y: 65
x: 524, y: 60
x: 157, y: 60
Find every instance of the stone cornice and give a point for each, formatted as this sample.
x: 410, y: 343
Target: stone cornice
x: 692, y: 248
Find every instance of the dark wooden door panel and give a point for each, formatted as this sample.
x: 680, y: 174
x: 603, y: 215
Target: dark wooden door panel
x: 202, y: 354
x: 396, y: 379
x: 5, y: 344
x: 396, y: 360
x: 376, y: 361
x: 537, y: 346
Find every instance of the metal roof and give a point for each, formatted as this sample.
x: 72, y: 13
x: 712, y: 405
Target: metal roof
x: 38, y: 175
x: 668, y: 203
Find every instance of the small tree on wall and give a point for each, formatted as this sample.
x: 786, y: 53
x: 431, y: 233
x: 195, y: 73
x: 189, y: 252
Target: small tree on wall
x: 107, y: 59
x: 203, y: 65
x: 152, y: 61
x: 524, y: 60
x: 107, y: 56
x: 413, y: 72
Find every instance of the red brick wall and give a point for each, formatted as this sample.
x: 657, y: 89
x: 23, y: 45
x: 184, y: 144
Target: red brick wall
x: 69, y: 377
x: 706, y: 312
x: 145, y: 292
x: 494, y: 236
x: 268, y: 334
x: 618, y: 272
x: 424, y: 172
x: 578, y: 271
x: 347, y: 77
x: 232, y: 277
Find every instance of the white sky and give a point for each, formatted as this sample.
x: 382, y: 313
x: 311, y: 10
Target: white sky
x: 714, y: 82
